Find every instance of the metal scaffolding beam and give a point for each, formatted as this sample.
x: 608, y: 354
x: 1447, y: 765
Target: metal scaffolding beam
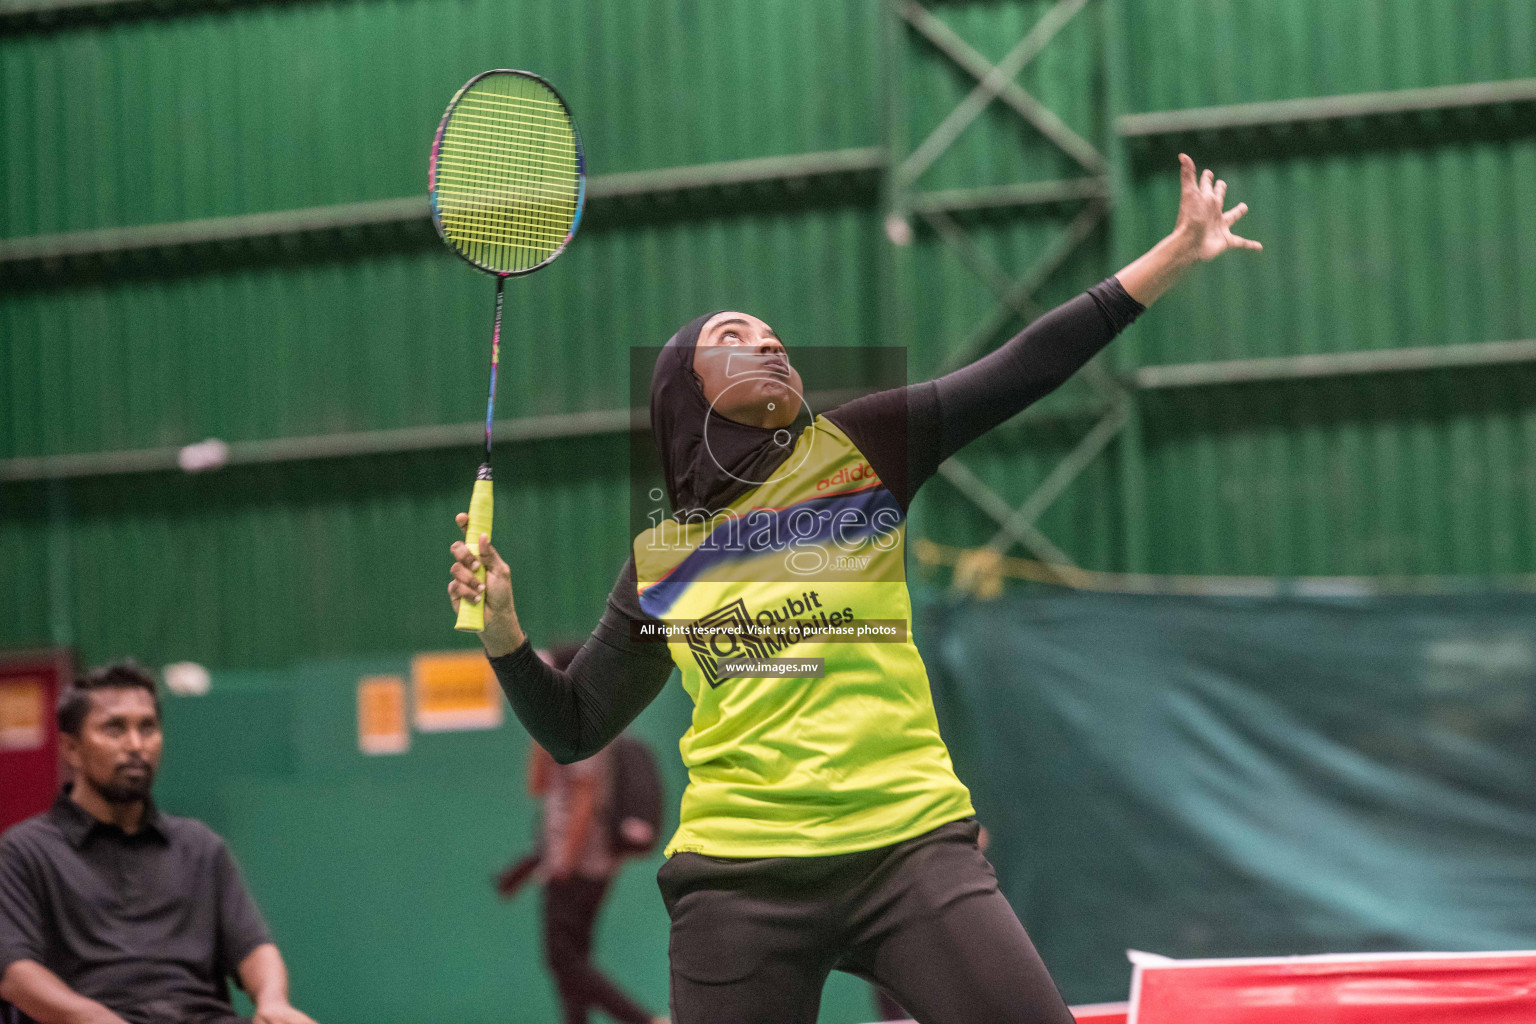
x: 405, y: 440
x: 106, y: 242
x: 961, y: 477
x: 1045, y: 120
x: 21, y: 14
x: 1396, y: 102
x: 354, y: 444
x: 1334, y: 364
x: 326, y: 446
x: 1059, y: 479
x: 933, y: 554
x: 992, y: 84
x: 1028, y: 193
x: 1014, y: 293
x: 767, y: 170
x: 629, y: 187
x: 1130, y: 447
x: 18, y: 8
x: 1024, y: 288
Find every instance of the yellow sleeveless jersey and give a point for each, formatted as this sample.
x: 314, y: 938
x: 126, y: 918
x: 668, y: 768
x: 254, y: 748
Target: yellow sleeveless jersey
x: 795, y: 569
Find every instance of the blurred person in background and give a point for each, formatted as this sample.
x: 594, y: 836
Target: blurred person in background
x: 581, y: 850
x: 113, y: 912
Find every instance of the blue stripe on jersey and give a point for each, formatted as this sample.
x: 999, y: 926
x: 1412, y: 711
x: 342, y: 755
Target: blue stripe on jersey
x: 745, y: 535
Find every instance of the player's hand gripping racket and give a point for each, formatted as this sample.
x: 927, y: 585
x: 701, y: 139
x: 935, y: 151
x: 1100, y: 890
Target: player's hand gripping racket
x: 507, y: 182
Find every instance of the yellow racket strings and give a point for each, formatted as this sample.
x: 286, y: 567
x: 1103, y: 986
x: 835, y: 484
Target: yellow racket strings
x: 506, y: 176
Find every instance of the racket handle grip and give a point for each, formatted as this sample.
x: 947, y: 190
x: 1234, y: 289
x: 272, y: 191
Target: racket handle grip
x: 481, y: 504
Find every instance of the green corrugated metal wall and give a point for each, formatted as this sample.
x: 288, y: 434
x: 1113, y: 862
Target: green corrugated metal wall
x: 1415, y: 237
x: 1410, y: 236
x: 1374, y: 240
x: 1189, y: 53
x: 397, y: 340
x: 275, y: 106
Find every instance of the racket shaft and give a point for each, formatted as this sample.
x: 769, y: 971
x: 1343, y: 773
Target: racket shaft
x: 481, y: 505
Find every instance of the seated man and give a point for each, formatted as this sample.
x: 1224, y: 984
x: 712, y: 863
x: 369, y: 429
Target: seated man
x: 112, y: 912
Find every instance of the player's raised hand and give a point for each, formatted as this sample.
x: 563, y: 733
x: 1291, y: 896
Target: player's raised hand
x: 1201, y: 217
x: 501, y: 634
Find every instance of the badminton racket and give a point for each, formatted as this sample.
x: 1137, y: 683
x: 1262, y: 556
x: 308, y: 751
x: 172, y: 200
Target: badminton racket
x: 507, y: 181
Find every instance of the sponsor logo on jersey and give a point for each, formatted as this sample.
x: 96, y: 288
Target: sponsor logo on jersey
x: 735, y: 631
x: 863, y: 472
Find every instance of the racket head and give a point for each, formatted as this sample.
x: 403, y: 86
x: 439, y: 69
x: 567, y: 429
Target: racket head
x: 507, y: 180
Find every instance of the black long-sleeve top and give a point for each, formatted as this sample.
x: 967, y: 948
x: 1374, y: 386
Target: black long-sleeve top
x: 905, y: 433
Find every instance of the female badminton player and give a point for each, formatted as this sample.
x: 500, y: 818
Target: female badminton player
x: 823, y: 826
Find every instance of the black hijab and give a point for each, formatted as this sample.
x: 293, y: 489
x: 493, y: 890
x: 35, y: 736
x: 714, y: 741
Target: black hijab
x: 738, y: 457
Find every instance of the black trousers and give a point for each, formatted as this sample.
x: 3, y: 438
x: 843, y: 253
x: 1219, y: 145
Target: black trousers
x: 753, y: 941
x: 570, y: 911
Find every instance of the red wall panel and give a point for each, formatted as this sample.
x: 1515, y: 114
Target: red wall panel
x: 29, y: 742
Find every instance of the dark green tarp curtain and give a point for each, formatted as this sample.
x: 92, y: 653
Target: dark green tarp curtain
x: 1235, y: 777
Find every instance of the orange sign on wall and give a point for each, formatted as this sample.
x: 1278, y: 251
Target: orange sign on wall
x: 455, y: 690
x: 381, y: 723
x: 23, y: 713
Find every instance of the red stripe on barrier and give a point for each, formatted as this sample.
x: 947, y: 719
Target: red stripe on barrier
x: 1427, y: 988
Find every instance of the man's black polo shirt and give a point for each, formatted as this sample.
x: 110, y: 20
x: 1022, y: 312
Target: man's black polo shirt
x: 149, y: 924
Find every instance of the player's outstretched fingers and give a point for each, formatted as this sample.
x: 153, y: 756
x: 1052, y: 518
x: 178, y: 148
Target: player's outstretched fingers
x: 1186, y: 171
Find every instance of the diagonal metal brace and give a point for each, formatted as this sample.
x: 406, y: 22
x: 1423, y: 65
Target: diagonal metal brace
x: 989, y: 501
x: 1020, y: 300
x: 1046, y: 264
x: 986, y: 91
x: 1017, y: 525
x: 981, y: 264
x: 1067, y: 470
x: 1045, y: 120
